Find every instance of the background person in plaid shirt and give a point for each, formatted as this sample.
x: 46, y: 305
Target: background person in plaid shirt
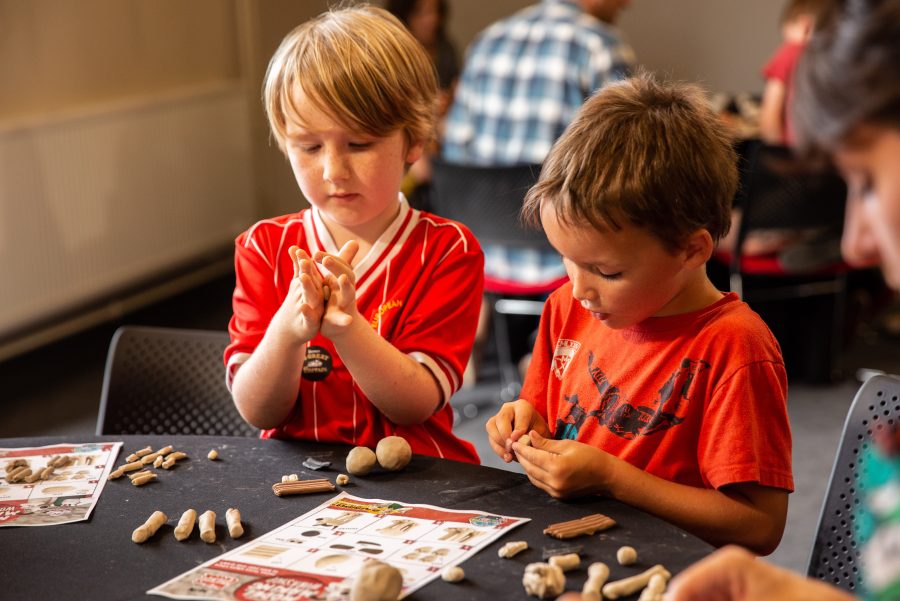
x: 523, y: 80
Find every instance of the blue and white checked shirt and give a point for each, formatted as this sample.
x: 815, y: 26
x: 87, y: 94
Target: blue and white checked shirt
x: 523, y: 80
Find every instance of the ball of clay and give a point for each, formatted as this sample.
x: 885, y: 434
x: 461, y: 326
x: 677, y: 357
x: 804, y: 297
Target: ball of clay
x: 543, y: 580
x: 360, y: 461
x: 525, y: 440
x: 626, y: 556
x: 393, y: 453
x: 453, y: 574
x: 377, y: 581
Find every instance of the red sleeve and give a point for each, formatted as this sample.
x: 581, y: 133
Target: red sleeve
x: 782, y: 64
x: 254, y: 302
x: 442, y: 314
x: 746, y: 434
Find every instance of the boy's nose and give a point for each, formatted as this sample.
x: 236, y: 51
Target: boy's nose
x: 581, y: 289
x: 334, y: 167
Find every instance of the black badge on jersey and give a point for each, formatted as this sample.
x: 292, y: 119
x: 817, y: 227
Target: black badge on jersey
x: 317, y: 364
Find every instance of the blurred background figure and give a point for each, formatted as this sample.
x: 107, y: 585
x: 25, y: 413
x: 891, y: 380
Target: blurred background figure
x: 798, y: 249
x: 427, y: 21
x: 798, y: 21
x: 523, y: 79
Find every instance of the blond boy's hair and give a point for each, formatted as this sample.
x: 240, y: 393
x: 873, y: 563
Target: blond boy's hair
x: 651, y: 153
x: 359, y: 65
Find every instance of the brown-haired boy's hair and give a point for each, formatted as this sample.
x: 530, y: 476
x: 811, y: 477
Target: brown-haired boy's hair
x: 361, y: 66
x: 648, y: 152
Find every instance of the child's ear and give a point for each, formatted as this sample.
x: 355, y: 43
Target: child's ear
x: 415, y: 152
x: 699, y: 248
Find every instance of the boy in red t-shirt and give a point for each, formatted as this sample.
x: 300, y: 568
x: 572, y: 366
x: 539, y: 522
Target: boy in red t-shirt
x: 647, y: 384
x: 353, y: 319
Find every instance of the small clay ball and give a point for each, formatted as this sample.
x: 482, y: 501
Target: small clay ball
x: 453, y: 574
x: 342, y: 480
x: 393, y: 453
x: 525, y: 440
x: 626, y: 556
x: 377, y: 581
x: 360, y: 461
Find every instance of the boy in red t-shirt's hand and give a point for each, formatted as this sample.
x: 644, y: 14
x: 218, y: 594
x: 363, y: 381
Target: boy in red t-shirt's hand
x: 647, y: 384
x: 354, y: 318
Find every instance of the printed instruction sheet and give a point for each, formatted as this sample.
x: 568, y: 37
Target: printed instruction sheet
x: 312, y: 555
x: 56, y: 484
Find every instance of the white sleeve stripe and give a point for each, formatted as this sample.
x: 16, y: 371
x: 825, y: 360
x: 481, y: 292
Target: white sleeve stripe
x: 450, y: 250
x: 452, y: 224
x: 234, y: 362
x: 439, y: 375
x: 453, y: 376
x: 260, y: 253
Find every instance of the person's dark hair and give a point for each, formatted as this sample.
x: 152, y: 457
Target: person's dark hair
x: 849, y: 75
x: 402, y: 9
x: 648, y: 152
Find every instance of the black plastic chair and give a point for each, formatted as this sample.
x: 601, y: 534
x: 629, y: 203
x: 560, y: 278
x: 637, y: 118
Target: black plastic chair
x: 835, y: 554
x: 168, y: 381
x: 781, y: 192
x: 488, y: 200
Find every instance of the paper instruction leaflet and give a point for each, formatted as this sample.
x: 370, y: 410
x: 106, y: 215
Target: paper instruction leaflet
x: 322, y: 547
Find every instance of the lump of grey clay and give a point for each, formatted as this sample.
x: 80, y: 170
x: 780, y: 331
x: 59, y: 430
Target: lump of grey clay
x: 393, y: 453
x: 360, y: 461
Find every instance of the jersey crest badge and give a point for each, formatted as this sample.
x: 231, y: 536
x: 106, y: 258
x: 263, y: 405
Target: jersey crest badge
x: 562, y: 355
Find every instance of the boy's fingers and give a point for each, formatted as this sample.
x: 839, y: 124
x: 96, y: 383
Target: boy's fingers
x: 292, y: 253
x: 547, y: 444
x: 337, y: 266
x: 496, y: 437
x: 348, y: 251
x: 523, y: 416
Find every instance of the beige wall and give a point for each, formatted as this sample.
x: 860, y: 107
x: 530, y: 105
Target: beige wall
x: 57, y: 55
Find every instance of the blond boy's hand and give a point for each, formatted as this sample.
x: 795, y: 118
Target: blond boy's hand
x: 301, y: 313
x: 564, y: 468
x: 341, y: 310
x: 512, y: 422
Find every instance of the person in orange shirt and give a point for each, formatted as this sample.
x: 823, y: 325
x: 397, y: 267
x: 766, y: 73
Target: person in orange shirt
x: 648, y: 384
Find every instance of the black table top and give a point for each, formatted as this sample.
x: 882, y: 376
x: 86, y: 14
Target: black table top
x: 95, y: 559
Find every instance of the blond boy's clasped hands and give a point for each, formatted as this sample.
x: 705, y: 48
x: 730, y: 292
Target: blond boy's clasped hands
x: 321, y: 303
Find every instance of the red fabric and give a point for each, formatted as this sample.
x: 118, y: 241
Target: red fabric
x: 781, y: 67
x: 770, y: 265
x: 420, y: 287
x: 698, y: 398
x: 502, y: 286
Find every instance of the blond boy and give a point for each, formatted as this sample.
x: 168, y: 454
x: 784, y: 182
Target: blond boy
x: 354, y: 318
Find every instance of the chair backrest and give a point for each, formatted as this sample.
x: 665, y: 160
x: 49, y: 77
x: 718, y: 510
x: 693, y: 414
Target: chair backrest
x: 168, y: 381
x: 835, y: 553
x: 487, y: 200
x: 781, y: 191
